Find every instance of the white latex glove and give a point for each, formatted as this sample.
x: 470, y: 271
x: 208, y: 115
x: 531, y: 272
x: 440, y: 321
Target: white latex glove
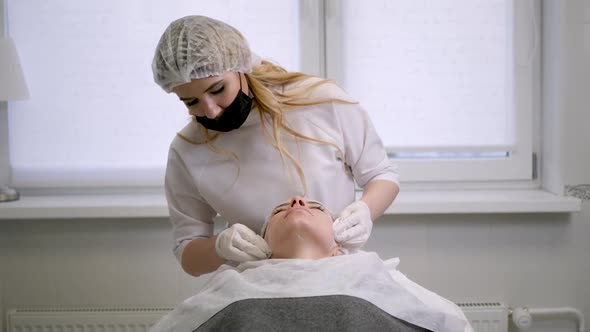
x: 239, y: 243
x: 353, y: 227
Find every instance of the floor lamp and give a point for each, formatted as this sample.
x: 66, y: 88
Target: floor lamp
x: 12, y: 87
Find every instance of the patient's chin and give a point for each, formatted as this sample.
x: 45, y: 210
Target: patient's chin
x: 298, y: 216
x: 300, y: 232
x: 307, y: 231
x: 300, y: 222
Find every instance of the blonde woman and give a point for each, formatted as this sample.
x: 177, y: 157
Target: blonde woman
x: 260, y: 133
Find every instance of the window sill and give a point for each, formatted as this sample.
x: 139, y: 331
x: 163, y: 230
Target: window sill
x: 85, y: 206
x: 483, y: 201
x: 416, y: 202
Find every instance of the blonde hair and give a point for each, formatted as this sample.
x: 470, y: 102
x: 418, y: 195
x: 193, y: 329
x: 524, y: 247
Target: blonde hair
x: 265, y: 81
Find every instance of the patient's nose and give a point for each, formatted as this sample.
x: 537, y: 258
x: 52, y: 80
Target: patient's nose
x: 298, y: 200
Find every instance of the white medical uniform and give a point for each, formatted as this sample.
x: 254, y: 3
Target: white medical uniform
x: 200, y: 183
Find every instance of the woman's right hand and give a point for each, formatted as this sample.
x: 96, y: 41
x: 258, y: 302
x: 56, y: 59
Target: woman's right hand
x: 239, y: 243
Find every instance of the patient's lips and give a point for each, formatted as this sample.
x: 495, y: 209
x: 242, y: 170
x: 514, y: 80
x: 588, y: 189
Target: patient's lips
x: 297, y: 209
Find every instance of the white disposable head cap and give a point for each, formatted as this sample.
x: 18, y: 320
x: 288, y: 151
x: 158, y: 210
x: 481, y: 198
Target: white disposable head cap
x: 194, y: 47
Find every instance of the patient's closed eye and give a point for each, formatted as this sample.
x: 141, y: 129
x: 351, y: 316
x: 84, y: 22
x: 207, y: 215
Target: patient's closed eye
x: 310, y: 204
x: 316, y: 205
x: 279, y: 208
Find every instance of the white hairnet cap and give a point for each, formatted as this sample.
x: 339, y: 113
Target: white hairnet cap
x: 194, y: 47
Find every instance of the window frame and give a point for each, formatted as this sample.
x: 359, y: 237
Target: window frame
x: 519, y: 169
x: 318, y: 19
x: 5, y: 175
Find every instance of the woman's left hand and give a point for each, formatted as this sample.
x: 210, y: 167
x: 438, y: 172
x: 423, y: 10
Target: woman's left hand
x: 353, y: 227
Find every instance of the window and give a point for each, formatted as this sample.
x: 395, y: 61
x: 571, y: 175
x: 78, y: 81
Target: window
x: 450, y: 85
x: 95, y: 117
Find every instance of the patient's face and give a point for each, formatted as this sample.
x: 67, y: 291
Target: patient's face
x: 298, y: 225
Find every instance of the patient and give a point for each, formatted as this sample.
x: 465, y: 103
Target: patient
x: 300, y: 228
x: 309, y: 284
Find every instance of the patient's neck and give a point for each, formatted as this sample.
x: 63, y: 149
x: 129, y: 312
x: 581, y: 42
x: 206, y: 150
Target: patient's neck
x: 303, y: 253
x: 304, y: 249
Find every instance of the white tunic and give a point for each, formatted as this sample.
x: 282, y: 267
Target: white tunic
x: 201, y: 183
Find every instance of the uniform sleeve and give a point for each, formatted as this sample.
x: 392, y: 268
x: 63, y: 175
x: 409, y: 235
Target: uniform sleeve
x: 363, y: 149
x: 190, y: 215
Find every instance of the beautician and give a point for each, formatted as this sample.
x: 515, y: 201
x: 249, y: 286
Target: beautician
x: 260, y: 134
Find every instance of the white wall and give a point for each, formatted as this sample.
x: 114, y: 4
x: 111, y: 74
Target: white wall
x: 534, y: 260
x: 537, y: 260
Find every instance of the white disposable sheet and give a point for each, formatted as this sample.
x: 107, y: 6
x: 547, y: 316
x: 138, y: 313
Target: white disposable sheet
x: 363, y: 275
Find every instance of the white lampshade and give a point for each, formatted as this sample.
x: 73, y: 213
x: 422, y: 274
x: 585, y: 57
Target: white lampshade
x: 12, y: 80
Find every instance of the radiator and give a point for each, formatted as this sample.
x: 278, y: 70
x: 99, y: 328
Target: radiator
x: 486, y: 316
x: 84, y: 320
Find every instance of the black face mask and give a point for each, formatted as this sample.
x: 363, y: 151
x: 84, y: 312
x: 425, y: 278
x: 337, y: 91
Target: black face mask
x: 234, y: 115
